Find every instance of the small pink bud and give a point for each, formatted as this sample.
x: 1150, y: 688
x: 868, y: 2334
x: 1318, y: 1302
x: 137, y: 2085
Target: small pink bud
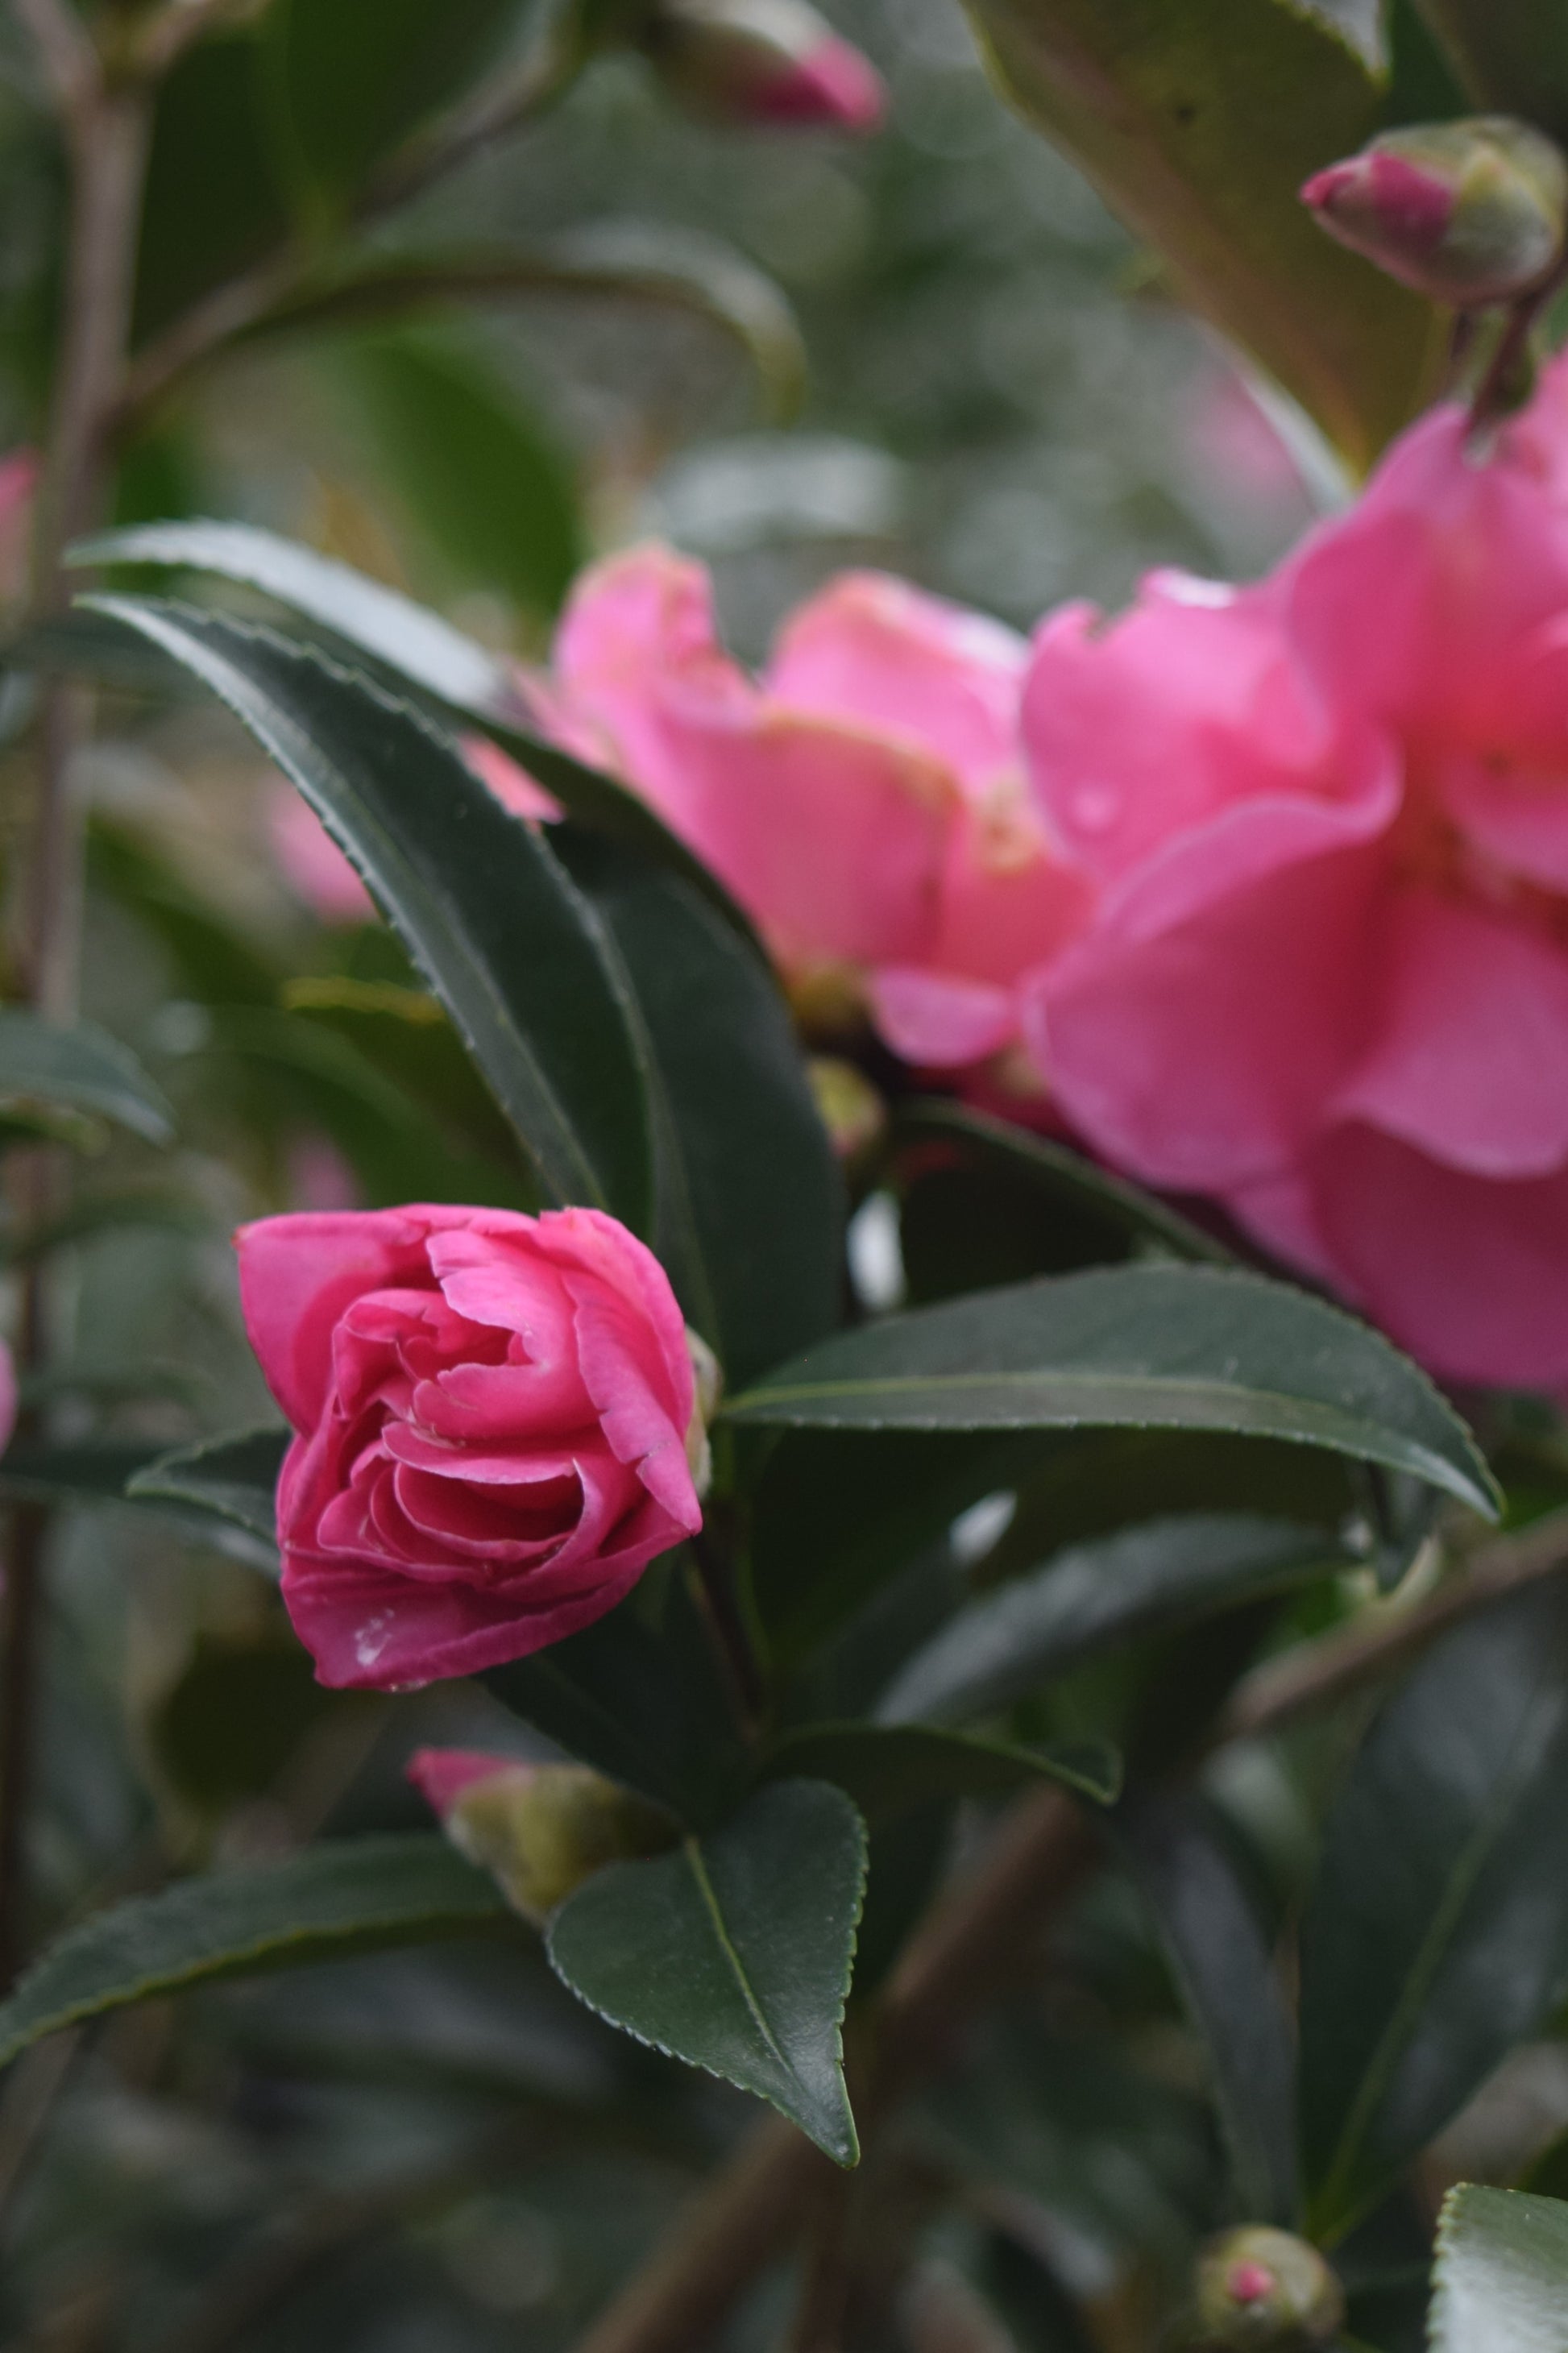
x: 762, y: 61
x: 1465, y: 213
x: 1267, y: 2290
x: 541, y: 1830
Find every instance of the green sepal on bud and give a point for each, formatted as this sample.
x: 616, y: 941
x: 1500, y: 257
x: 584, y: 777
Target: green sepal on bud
x: 1469, y: 213
x: 1265, y: 2291
x: 540, y: 1830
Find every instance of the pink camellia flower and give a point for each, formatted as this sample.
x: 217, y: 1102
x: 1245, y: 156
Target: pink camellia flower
x: 1329, y: 978
x: 316, y: 870
x: 495, y: 1425
x: 864, y: 800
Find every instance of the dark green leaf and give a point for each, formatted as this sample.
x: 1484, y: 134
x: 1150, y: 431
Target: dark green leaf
x: 1227, y: 1979
x: 642, y: 1695
x: 479, y: 475
x: 517, y: 957
x: 234, y: 1477
x: 406, y: 1036
x: 1054, y: 1180
x: 421, y: 650
x: 80, y: 1068
x: 1198, y: 120
x: 888, y: 1769
x: 345, y: 1896
x: 1153, y: 1346
x: 210, y: 133
x: 1500, y: 2285
x: 1437, y: 1931
x: 734, y: 1952
x: 235, y: 1718
x: 345, y: 92
x: 99, y: 1474
x: 751, y: 1202
x: 1009, y: 1641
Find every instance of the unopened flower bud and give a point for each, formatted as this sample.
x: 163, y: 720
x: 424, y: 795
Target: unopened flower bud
x: 1467, y: 213
x: 762, y: 61
x: 542, y: 1829
x: 1267, y: 2290
x: 852, y: 1111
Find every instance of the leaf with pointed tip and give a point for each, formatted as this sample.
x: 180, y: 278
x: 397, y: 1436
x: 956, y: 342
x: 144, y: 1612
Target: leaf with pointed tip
x: 1226, y: 1974
x: 1137, y: 1582
x: 81, y: 1069
x: 1512, y: 56
x: 422, y: 651
x: 234, y: 1477
x: 516, y: 956
x: 1198, y: 120
x: 734, y: 1952
x: 888, y: 1769
x: 1501, y: 2281
x: 1149, y: 1346
x: 345, y: 1896
x: 1436, y: 1935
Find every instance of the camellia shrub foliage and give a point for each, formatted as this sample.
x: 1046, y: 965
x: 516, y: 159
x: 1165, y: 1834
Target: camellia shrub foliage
x: 951, y: 1478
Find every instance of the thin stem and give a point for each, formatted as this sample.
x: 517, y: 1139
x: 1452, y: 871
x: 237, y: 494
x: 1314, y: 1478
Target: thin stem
x: 969, y: 1946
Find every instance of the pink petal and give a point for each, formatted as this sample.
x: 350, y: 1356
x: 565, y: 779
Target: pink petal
x: 297, y: 1276
x: 1470, y: 1274
x: 377, y: 1631
x: 315, y: 868
x: 1195, y: 1033
x: 872, y: 649
x: 441, y: 1774
x: 1469, y: 1052
x: 512, y: 787
x: 937, y: 1020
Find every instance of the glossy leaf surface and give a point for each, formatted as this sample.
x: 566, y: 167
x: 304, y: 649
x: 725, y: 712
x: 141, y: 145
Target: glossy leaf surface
x: 1009, y: 1641
x: 506, y: 941
x: 734, y: 1952
x: 1501, y: 2280
x: 234, y: 1477
x: 751, y: 1212
x: 1173, y: 1348
x: 343, y: 1896
x: 421, y: 650
x: 1198, y: 120
x: 1436, y: 1935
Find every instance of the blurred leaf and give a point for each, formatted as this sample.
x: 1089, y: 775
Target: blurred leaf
x: 751, y: 1201
x: 1512, y: 56
x: 422, y: 651
x: 478, y: 473
x: 1500, y: 2285
x: 1226, y: 1976
x: 734, y: 1952
x: 234, y: 1477
x: 345, y: 93
x: 1437, y: 1935
x: 507, y: 943
x: 1059, y: 1186
x: 84, y: 645
x: 1421, y: 84
x: 1178, y: 1348
x: 888, y: 1769
x: 642, y: 1695
x: 1092, y: 1596
x: 92, y: 1215
x: 834, y: 1512
x: 345, y: 1896
x: 80, y: 1068
x: 231, y: 1722
x: 101, y: 1472
x: 626, y: 261
x: 214, y: 963
x: 211, y: 136
x: 1198, y: 120
x: 409, y: 1037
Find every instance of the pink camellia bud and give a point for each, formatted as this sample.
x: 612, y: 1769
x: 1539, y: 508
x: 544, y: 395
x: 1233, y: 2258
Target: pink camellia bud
x: 542, y: 1829
x: 1265, y: 2288
x: 762, y: 61
x: 496, y: 1420
x: 1465, y: 213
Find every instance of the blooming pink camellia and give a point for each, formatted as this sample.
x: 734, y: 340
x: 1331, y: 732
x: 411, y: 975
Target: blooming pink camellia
x: 1328, y: 980
x: 496, y: 1423
x: 864, y: 800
